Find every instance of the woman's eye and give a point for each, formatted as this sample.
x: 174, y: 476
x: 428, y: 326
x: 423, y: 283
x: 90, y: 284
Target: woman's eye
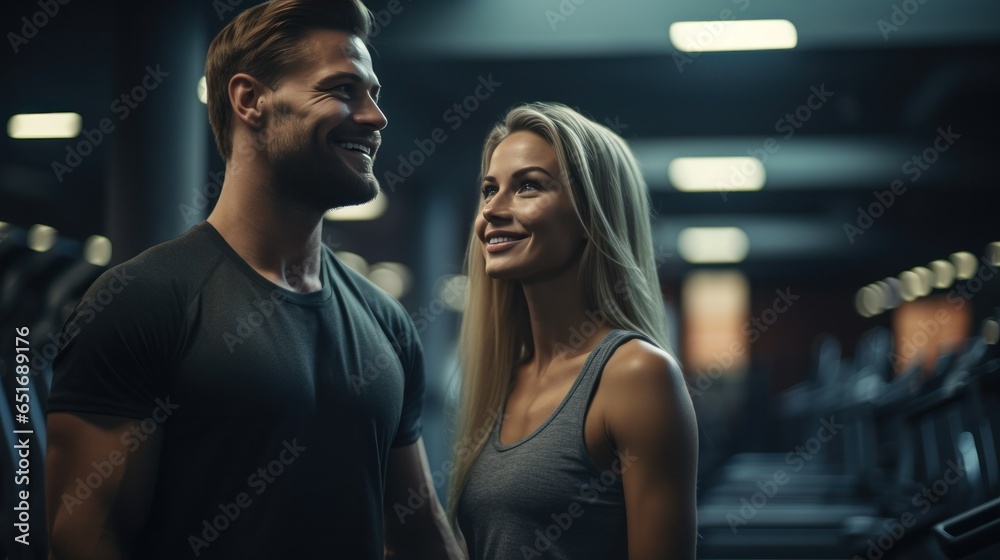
x: 488, y: 190
x: 530, y: 186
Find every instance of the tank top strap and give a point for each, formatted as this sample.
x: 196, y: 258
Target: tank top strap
x: 594, y: 366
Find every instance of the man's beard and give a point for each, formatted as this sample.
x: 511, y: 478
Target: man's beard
x: 317, y: 177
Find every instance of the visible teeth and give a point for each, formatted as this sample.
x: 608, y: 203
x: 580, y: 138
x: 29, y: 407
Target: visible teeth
x: 353, y: 146
x: 495, y: 240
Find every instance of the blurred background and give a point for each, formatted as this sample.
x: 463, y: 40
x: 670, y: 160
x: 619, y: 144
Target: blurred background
x: 824, y: 184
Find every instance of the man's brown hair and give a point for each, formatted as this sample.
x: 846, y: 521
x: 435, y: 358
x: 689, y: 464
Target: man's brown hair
x: 263, y: 41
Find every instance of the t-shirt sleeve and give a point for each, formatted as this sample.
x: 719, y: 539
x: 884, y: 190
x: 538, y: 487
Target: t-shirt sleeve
x: 117, y: 344
x: 412, y: 357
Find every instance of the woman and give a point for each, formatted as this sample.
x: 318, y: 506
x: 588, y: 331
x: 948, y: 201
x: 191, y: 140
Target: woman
x: 595, y: 452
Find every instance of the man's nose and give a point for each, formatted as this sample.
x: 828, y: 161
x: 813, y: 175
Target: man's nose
x: 370, y: 114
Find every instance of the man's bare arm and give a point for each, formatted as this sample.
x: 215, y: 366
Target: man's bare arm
x: 415, y: 532
x: 91, y: 448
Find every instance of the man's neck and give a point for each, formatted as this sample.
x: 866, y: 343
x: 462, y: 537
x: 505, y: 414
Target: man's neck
x: 277, y: 238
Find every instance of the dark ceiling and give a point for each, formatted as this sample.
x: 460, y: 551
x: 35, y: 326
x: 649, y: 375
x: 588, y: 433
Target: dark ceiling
x: 891, y: 91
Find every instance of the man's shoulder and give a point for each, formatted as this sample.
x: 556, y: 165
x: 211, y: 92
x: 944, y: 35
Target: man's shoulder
x: 166, y: 269
x: 185, y: 252
x: 375, y: 298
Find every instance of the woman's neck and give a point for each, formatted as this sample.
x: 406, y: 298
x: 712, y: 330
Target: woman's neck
x: 562, y: 328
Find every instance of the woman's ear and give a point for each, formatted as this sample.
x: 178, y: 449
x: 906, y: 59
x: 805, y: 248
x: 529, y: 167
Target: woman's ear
x: 249, y: 98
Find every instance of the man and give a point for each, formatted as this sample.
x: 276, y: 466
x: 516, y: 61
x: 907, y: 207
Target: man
x: 237, y: 392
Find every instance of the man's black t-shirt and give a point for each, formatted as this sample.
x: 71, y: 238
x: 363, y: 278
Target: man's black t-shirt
x: 278, y: 408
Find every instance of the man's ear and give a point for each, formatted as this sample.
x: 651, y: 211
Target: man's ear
x: 249, y: 97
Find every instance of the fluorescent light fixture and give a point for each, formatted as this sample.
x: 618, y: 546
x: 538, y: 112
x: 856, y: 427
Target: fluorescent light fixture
x: 395, y: 278
x: 203, y: 90
x: 893, y: 294
x: 721, y: 174
x: 991, y: 331
x: 926, y: 280
x: 859, y: 304
x: 97, y: 250
x: 701, y: 245
x: 944, y: 273
x: 909, y: 283
x: 41, y: 237
x: 876, y: 297
x: 868, y: 301
x: 733, y: 35
x: 354, y: 261
x: 44, y: 125
x: 993, y: 253
x: 367, y: 211
x: 452, y: 290
x: 965, y: 264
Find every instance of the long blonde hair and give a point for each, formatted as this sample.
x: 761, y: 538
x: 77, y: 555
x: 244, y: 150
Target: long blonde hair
x: 617, y: 270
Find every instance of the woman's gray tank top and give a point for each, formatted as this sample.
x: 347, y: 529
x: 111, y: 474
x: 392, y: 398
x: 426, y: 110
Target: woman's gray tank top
x: 543, y: 496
